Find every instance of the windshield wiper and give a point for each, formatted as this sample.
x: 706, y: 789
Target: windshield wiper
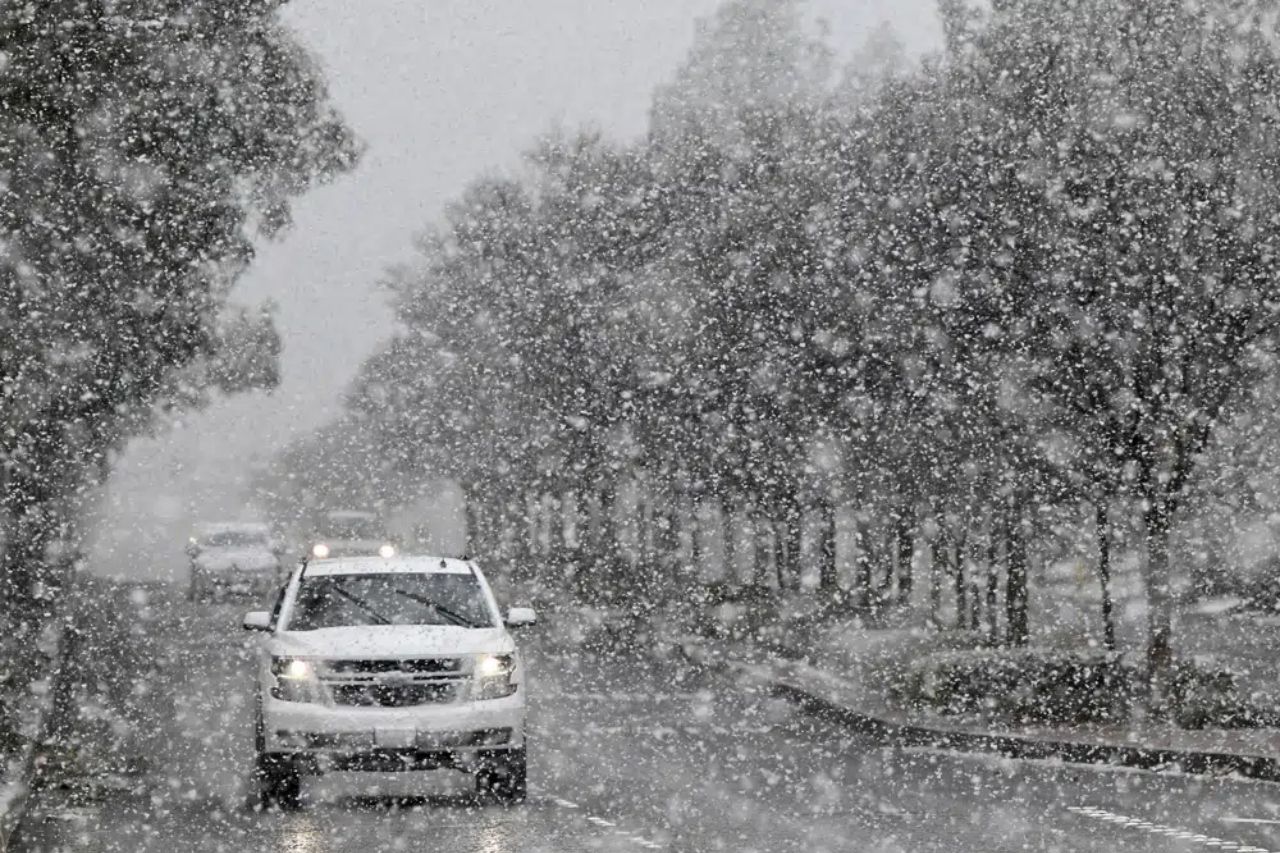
x: 362, y: 604
x: 455, y: 618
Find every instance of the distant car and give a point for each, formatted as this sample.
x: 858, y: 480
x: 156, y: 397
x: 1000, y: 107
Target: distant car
x: 232, y: 557
x: 377, y: 664
x: 350, y: 533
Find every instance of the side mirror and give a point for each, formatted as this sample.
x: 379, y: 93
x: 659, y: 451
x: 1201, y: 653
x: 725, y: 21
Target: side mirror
x: 520, y: 617
x: 257, y: 620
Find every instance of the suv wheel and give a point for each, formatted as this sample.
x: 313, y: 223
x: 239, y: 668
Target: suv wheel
x: 277, y: 777
x: 505, y: 776
x: 279, y: 781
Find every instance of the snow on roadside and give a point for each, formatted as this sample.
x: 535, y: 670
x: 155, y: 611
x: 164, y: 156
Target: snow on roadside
x: 1218, y: 606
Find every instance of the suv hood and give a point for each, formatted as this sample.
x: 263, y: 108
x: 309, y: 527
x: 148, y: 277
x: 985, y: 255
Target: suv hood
x: 391, y: 641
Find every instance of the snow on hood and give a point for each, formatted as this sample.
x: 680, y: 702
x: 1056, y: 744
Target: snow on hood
x: 229, y: 558
x: 392, y: 641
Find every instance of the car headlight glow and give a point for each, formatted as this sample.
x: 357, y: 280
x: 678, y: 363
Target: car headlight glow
x: 320, y: 550
x: 490, y: 665
x: 291, y: 668
x: 386, y: 552
x: 493, y: 677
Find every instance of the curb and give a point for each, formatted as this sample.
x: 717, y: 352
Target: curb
x: 20, y: 788
x: 1195, y: 762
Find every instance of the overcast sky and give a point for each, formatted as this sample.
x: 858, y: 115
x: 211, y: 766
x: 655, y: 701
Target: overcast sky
x: 440, y: 91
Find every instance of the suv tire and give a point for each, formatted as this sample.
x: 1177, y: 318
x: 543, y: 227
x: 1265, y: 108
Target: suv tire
x: 279, y: 781
x: 505, y: 776
x: 277, y: 777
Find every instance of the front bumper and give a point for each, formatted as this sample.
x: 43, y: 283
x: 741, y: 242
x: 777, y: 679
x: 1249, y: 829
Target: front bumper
x: 465, y: 735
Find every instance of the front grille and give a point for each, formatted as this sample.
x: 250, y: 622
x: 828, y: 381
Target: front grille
x: 410, y: 666
x: 395, y: 695
x: 393, y: 683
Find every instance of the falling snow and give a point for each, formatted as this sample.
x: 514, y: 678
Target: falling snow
x: 876, y: 453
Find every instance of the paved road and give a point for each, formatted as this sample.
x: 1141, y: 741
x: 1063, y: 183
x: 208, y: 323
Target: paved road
x: 628, y: 754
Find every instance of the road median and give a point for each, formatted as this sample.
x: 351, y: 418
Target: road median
x: 899, y: 732
x: 1247, y: 753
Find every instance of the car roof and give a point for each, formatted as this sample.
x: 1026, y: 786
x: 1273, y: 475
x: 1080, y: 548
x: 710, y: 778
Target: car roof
x: 212, y: 527
x: 395, y: 565
x: 343, y: 514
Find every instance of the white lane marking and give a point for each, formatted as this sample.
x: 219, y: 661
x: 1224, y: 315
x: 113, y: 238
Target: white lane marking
x: 1160, y: 829
x: 633, y: 837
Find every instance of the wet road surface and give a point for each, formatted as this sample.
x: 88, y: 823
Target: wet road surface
x: 628, y: 753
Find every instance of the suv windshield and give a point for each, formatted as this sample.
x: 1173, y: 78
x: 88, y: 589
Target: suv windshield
x: 331, y: 601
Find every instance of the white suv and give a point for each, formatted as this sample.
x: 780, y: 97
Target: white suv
x: 403, y: 663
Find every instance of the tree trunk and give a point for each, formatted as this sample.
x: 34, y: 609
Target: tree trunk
x: 864, y: 567
x: 561, y: 561
x: 501, y: 530
x: 472, y: 547
x: 609, y: 569
x: 728, y: 525
x: 643, y: 547
x: 522, y: 538
x: 533, y: 521
x: 993, y: 582
x: 661, y: 578
x: 1103, y: 527
x: 667, y: 527
x: 780, y: 563
x: 906, y: 552
x: 792, y: 535
x: 937, y: 565
x: 827, y: 580
x: 1015, y: 595
x: 696, y: 571
x: 762, y: 536
x: 571, y: 516
x: 1159, y: 599
x: 586, y: 576
x: 491, y: 523
x: 884, y: 592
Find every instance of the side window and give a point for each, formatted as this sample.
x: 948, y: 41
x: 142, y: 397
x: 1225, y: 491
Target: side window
x: 275, y: 609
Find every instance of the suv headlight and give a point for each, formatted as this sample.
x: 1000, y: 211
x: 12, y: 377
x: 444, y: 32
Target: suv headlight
x: 293, y: 679
x: 493, y: 676
x: 293, y: 668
